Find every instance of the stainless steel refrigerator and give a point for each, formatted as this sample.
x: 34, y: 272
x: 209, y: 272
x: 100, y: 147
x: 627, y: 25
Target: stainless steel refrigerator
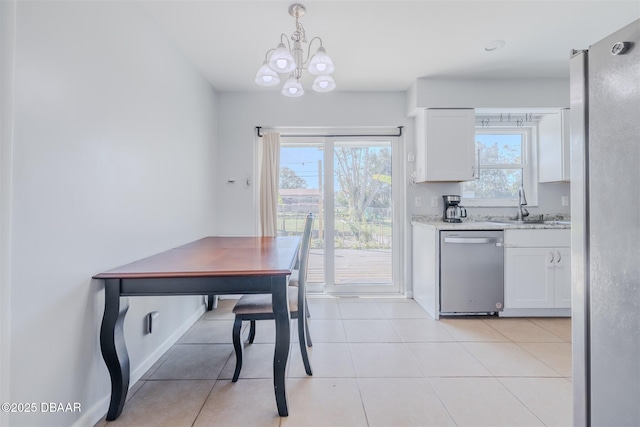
x: 605, y: 190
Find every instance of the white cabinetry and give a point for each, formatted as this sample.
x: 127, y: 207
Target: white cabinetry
x: 426, y: 272
x: 553, y: 147
x: 537, y: 272
x: 445, y: 145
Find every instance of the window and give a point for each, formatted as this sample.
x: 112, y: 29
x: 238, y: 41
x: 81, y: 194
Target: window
x: 505, y: 162
x: 349, y: 183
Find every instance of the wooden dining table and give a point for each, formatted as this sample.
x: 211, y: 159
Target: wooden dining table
x: 211, y: 265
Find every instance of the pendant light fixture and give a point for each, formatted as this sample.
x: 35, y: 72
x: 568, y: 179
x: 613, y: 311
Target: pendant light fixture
x: 288, y: 59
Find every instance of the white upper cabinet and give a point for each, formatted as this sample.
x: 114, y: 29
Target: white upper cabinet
x: 445, y: 145
x: 553, y: 147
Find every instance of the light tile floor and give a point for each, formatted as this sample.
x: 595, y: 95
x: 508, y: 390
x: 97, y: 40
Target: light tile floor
x: 376, y: 362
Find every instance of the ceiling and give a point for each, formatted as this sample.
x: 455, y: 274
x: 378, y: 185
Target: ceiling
x: 387, y: 45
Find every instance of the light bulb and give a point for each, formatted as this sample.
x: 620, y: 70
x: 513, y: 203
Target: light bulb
x: 266, y: 76
x: 321, y: 63
x: 292, y: 88
x: 324, y: 84
x: 281, y: 60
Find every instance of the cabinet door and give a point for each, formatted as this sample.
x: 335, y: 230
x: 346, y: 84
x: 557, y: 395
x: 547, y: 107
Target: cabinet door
x: 565, y: 116
x: 529, y: 278
x: 553, y: 147
x: 445, y: 145
x: 562, y: 277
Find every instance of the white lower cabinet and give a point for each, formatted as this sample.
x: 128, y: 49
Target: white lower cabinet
x: 537, y: 272
x: 426, y: 268
x: 537, y: 275
x: 537, y: 278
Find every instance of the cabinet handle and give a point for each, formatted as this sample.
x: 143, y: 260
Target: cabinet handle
x: 559, y: 258
x: 552, y: 257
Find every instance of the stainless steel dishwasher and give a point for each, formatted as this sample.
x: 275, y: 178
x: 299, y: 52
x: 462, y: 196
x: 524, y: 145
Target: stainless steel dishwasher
x: 471, y: 272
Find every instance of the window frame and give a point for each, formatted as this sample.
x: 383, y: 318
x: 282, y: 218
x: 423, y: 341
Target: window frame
x: 529, y: 166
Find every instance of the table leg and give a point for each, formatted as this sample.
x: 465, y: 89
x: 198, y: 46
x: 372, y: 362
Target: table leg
x: 114, y: 349
x: 212, y: 302
x: 282, y: 317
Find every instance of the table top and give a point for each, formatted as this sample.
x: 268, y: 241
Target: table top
x: 216, y: 257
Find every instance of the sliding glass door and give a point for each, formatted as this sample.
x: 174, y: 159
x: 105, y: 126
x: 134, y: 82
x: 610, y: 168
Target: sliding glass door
x: 354, y: 247
x: 302, y: 191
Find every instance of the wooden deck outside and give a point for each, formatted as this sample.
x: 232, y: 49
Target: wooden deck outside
x: 353, y: 266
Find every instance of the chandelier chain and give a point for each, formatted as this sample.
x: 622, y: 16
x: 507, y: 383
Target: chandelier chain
x: 299, y: 34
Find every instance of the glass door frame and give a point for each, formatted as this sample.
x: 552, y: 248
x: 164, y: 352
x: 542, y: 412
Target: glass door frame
x: 397, y: 220
x: 397, y: 282
x: 399, y: 194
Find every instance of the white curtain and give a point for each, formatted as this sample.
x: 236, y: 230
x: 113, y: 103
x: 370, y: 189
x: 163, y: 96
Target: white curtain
x: 269, y: 177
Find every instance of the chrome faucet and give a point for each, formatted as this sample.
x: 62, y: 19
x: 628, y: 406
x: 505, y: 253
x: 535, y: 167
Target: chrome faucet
x: 522, y: 201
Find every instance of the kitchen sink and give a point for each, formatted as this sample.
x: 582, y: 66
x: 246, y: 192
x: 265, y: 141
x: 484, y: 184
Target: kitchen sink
x: 531, y: 221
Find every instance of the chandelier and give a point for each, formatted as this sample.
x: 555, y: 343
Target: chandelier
x: 289, y: 60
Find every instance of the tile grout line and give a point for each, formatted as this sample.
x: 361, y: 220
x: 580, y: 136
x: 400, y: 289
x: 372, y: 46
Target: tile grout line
x: 353, y: 366
x: 204, y: 403
x: 383, y: 316
x: 540, y: 360
x: 518, y: 399
x: 428, y: 381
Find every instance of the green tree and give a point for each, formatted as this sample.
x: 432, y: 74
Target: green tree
x: 290, y: 180
x: 496, y: 182
x: 362, y: 175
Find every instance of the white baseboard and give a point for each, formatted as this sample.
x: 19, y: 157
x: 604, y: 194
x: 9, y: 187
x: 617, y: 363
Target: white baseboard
x: 138, y: 372
x: 97, y: 411
x: 535, y: 312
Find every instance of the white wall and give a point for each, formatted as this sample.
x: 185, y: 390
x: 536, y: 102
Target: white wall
x: 113, y: 160
x: 240, y: 113
x: 7, y: 56
x: 489, y: 93
x: 549, y: 200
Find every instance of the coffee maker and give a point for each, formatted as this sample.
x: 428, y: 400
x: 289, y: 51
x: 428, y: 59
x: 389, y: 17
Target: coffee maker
x: 452, y: 211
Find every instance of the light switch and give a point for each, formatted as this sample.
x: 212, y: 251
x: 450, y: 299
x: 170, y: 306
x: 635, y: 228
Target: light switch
x: 418, y: 201
x: 565, y: 200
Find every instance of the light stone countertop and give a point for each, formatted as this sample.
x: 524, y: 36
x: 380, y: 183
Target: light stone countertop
x: 551, y: 222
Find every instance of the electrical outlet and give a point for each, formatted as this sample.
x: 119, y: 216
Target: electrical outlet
x: 565, y: 200
x: 152, y: 321
x: 434, y: 202
x: 417, y: 201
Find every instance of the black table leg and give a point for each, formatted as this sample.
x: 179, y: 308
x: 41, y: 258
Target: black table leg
x: 212, y: 302
x: 281, y: 314
x: 114, y: 350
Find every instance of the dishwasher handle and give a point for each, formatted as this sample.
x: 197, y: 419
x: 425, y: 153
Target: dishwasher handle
x: 477, y: 240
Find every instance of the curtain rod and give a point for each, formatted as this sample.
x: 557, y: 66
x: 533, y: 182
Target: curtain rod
x: 258, y: 128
